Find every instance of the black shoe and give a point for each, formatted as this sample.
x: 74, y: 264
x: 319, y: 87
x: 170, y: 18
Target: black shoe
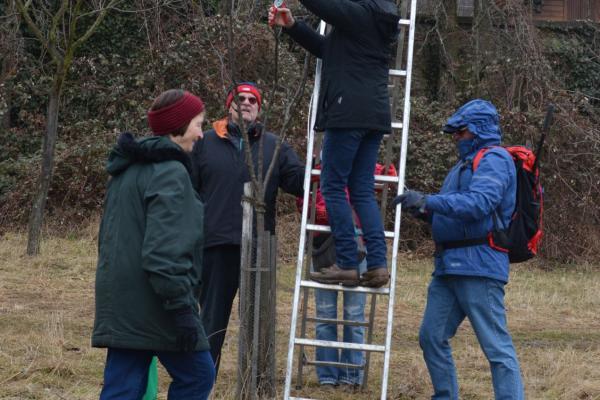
x: 335, y: 275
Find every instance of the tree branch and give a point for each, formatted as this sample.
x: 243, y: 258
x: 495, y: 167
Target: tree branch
x: 56, y: 19
x: 288, y: 116
x: 24, y: 11
x: 97, y: 22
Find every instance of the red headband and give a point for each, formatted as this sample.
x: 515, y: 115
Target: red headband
x: 244, y: 88
x: 168, y: 119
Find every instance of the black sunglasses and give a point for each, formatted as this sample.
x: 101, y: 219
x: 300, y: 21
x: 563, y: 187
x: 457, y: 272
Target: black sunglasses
x: 251, y: 100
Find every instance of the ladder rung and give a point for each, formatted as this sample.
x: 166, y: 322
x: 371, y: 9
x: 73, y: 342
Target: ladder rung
x: 318, y: 228
x: 404, y: 22
x: 396, y: 125
x: 326, y: 228
x: 397, y: 72
x: 335, y: 364
x: 340, y: 345
x: 387, y: 178
x: 341, y: 288
x: 378, y: 178
x: 336, y: 321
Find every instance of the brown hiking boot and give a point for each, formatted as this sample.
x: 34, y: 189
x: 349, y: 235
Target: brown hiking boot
x: 335, y: 275
x: 375, y: 278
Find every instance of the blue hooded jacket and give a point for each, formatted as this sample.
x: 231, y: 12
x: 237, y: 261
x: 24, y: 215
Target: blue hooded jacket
x: 468, y: 201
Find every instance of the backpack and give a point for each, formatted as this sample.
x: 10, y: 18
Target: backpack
x: 323, y: 254
x: 523, y: 235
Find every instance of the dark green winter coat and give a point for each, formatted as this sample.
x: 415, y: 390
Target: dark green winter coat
x: 149, y: 247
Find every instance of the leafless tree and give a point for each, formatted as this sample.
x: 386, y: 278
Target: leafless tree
x: 256, y: 372
x: 57, y: 26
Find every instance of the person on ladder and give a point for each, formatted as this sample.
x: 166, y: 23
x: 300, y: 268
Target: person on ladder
x: 354, y: 111
x: 323, y: 255
x: 468, y: 279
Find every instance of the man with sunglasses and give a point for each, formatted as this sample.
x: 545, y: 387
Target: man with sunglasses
x: 354, y: 112
x: 220, y: 172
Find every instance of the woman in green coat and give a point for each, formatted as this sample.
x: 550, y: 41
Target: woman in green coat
x: 149, y: 258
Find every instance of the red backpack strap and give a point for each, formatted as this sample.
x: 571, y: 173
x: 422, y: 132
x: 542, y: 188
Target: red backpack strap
x: 479, y: 156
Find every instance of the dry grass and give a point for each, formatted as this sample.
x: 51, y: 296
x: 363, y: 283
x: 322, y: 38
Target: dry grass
x: 46, y: 316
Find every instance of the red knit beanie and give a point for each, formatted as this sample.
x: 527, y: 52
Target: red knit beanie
x: 177, y: 115
x: 244, y: 87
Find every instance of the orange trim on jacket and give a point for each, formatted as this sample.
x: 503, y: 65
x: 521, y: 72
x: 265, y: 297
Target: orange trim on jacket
x: 220, y: 127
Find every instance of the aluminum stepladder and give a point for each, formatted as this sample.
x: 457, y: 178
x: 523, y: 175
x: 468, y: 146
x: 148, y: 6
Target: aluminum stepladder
x: 303, y: 260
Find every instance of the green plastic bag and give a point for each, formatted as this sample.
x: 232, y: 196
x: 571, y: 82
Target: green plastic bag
x: 152, y: 388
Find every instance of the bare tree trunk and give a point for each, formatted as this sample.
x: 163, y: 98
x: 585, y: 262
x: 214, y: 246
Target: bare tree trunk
x: 36, y: 217
x: 245, y: 337
x: 60, y: 28
x: 258, y: 299
x: 268, y: 316
x: 256, y: 367
x: 256, y: 352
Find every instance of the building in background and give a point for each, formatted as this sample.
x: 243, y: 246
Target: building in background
x: 542, y: 10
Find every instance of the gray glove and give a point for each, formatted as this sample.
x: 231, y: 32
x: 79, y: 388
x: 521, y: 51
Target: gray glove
x: 412, y: 201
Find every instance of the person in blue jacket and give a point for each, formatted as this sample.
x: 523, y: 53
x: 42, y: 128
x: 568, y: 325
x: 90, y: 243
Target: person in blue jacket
x: 469, y: 276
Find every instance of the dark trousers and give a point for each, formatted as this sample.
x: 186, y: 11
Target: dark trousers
x: 126, y: 374
x: 220, y: 282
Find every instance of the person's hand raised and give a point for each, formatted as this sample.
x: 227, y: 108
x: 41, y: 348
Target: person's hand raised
x: 281, y: 17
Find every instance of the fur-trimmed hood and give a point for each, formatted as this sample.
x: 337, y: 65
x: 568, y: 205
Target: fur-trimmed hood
x: 156, y: 149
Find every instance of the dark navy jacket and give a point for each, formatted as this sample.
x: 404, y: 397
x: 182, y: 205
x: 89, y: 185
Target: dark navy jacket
x: 356, y: 55
x: 220, y: 173
x: 466, y: 204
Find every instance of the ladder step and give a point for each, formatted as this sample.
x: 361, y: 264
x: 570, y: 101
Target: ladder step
x: 378, y: 178
x: 404, y: 22
x: 326, y: 228
x: 397, y: 72
x: 340, y: 345
x: 387, y: 178
x: 340, y: 288
x: 336, y: 321
x: 318, y: 228
x: 334, y: 364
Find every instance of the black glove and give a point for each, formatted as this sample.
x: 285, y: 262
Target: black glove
x: 187, y: 328
x: 412, y: 201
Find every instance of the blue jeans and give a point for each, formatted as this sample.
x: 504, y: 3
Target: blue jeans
x: 126, y: 374
x: 449, y: 300
x: 349, y: 158
x: 354, y: 310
